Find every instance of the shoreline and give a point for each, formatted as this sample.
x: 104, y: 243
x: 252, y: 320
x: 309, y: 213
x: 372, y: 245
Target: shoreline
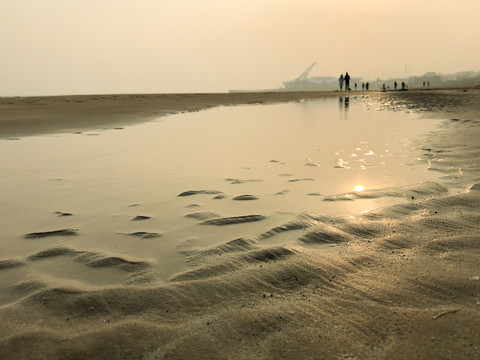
x: 41, y: 115
x: 402, y: 282
x: 44, y: 115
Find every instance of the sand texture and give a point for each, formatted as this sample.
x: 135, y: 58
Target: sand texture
x: 398, y: 282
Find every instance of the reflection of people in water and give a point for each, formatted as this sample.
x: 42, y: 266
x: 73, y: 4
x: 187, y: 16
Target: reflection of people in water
x: 343, y: 102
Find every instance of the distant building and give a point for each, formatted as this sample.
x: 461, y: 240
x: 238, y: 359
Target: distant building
x: 304, y: 83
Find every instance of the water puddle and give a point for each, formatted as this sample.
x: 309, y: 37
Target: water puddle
x: 287, y: 157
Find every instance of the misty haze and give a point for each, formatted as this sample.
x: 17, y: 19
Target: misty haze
x: 239, y: 179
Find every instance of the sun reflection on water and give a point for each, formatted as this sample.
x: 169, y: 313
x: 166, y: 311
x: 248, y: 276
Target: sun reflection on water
x: 359, y: 188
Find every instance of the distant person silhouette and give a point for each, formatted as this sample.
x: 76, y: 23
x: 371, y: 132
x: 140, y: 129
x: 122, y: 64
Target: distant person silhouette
x: 367, y: 85
x: 355, y: 86
x: 340, y: 82
x: 424, y: 84
x: 403, y: 84
x: 395, y: 85
x: 363, y: 86
x: 428, y: 83
x: 347, y: 82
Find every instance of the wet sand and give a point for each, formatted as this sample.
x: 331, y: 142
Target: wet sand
x: 399, y: 282
x: 23, y: 116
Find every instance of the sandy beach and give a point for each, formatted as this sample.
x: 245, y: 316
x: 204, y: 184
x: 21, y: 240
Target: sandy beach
x: 397, y: 282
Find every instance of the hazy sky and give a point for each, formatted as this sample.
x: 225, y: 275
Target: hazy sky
x: 51, y: 47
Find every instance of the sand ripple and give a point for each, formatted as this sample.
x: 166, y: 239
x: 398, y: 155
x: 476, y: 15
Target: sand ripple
x: 245, y: 197
x: 196, y: 192
x: 241, y: 293
x: 11, y: 263
x: 145, y: 234
x: 141, y: 217
x: 62, y: 232
x: 304, y: 179
x: 302, y: 221
x: 91, y: 259
x: 205, y: 215
x: 233, y: 220
x: 418, y: 191
x: 56, y: 251
x: 241, y: 181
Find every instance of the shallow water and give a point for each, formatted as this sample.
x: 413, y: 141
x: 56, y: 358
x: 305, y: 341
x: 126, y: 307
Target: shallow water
x: 289, y: 156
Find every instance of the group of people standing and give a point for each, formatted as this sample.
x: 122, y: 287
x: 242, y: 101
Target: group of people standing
x: 346, y: 79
